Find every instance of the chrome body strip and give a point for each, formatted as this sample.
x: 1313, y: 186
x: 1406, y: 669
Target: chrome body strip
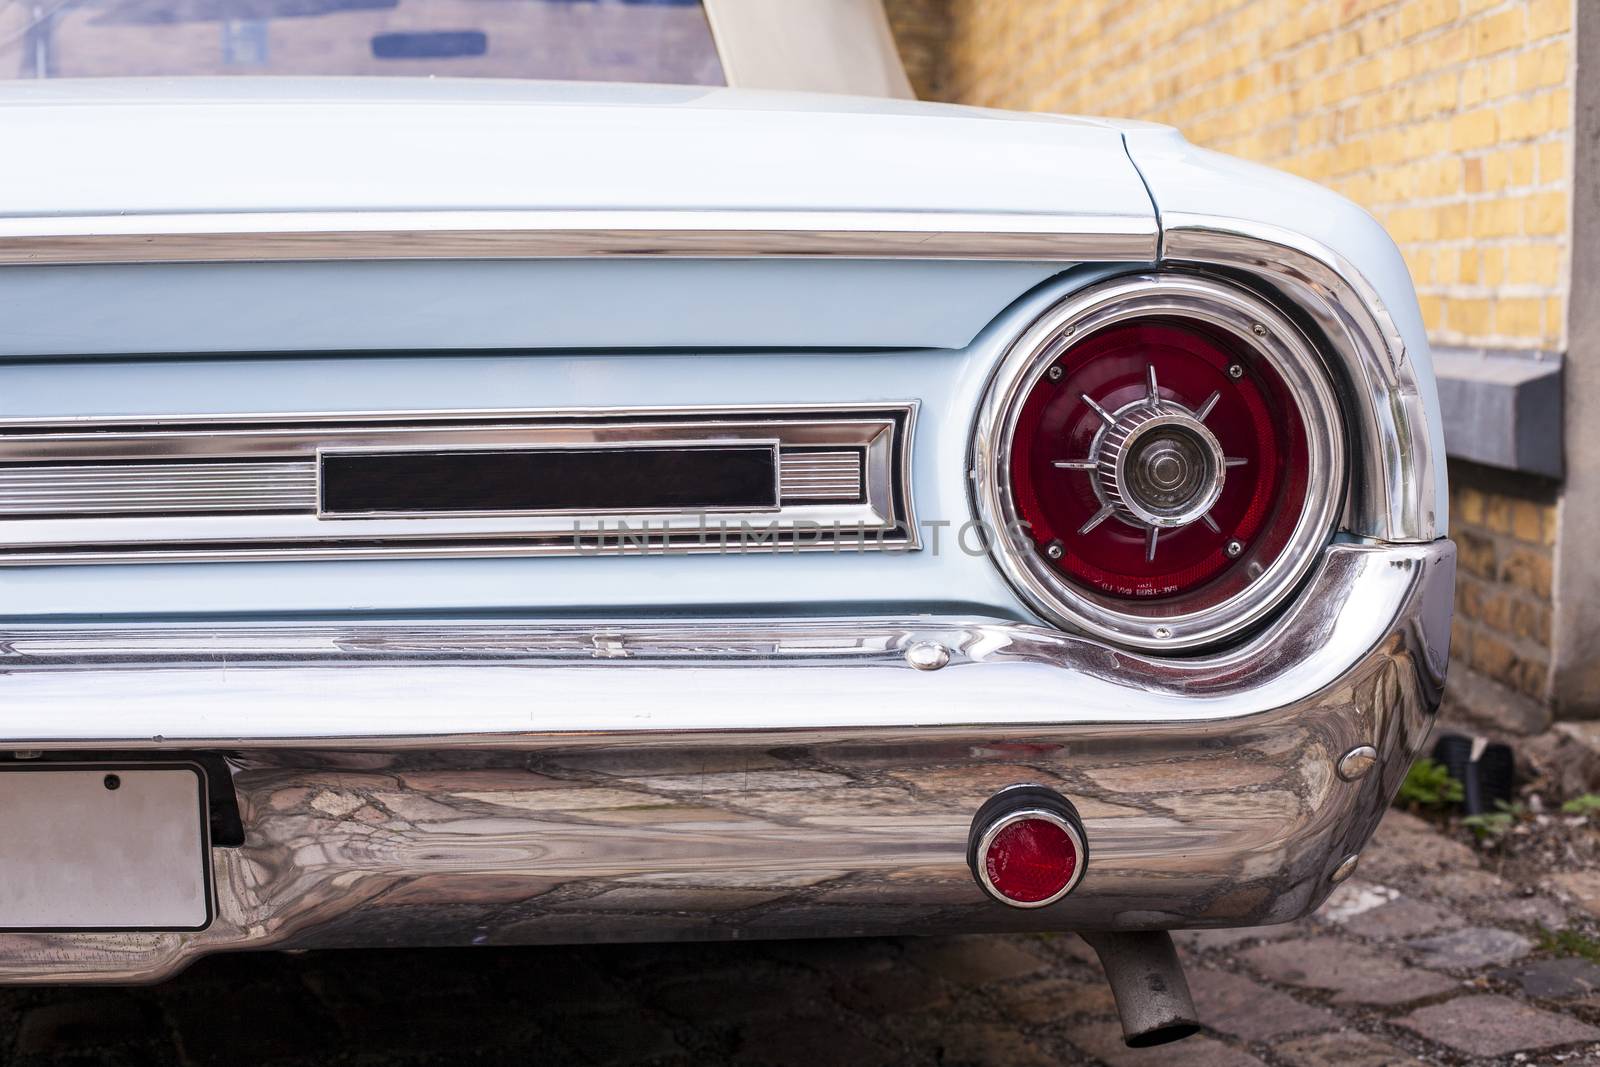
x: 1395, y: 485
x: 510, y: 782
x: 386, y: 235
x: 247, y: 486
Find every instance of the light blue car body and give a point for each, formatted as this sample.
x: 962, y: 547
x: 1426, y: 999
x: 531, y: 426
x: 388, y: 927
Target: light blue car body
x: 174, y: 339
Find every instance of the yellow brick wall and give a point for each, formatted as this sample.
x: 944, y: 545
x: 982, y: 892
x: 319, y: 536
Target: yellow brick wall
x: 1449, y: 119
x: 1503, y: 582
x: 922, y: 31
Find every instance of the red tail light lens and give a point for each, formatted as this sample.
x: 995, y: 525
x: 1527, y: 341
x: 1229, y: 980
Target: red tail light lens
x: 1153, y: 456
x: 1165, y: 455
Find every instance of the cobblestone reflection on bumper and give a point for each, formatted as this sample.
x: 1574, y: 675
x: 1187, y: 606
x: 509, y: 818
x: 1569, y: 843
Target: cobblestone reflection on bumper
x: 1207, y: 785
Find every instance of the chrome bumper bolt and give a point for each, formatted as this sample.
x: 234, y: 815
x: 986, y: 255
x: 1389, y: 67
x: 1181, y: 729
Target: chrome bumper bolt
x: 927, y: 655
x: 1357, y: 762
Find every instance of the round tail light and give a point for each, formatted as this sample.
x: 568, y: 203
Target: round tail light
x: 1164, y: 454
x: 1026, y: 847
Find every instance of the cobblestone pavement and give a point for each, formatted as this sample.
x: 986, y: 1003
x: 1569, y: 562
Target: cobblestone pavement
x: 1425, y: 956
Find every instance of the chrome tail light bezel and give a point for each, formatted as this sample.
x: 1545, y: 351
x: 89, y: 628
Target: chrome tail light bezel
x: 1245, y: 318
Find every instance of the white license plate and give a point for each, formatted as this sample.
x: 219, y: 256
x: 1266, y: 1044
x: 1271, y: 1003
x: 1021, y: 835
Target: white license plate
x: 104, y: 847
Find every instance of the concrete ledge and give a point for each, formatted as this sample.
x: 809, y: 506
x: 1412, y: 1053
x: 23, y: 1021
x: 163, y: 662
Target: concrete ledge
x: 1502, y: 409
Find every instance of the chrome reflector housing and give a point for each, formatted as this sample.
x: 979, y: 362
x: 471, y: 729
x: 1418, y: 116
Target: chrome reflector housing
x: 1264, y: 575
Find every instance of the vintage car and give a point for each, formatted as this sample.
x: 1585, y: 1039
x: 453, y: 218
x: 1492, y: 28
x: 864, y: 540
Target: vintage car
x: 450, y: 511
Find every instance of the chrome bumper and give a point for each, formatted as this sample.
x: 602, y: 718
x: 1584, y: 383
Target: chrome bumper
x: 506, y: 782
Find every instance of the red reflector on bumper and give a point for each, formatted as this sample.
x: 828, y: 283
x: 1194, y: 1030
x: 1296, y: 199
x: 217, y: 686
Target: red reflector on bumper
x: 1026, y: 847
x: 1031, y: 860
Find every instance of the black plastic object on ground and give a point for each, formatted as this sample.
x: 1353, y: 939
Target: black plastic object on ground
x: 1486, y: 771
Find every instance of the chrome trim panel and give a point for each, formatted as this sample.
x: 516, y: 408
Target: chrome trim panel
x: 108, y: 488
x: 1254, y: 323
x: 612, y: 788
x: 245, y: 486
x: 1395, y: 483
x: 387, y: 235
x: 820, y: 475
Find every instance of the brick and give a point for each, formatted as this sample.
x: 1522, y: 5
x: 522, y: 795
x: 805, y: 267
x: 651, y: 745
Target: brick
x: 1474, y: 129
x: 1404, y: 919
x: 1492, y: 608
x: 1231, y: 937
x: 1549, y: 17
x: 1475, y: 554
x: 1553, y: 979
x: 1233, y: 1004
x: 1531, y: 621
x: 1495, y: 1026
x: 1465, y: 884
x: 1497, y: 513
x: 1103, y: 1041
x: 1345, y: 1049
x: 1545, y: 214
x: 1472, y: 948
x: 1533, y: 911
x: 1528, y: 569
x: 1354, y: 974
x: 1516, y: 317
x: 1582, y: 887
x: 1534, y: 265
x: 1415, y: 843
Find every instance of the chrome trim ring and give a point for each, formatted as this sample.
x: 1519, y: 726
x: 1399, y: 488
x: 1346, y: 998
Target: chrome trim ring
x: 1167, y: 625
x: 1020, y: 815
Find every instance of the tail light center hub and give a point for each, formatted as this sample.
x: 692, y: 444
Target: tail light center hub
x: 1158, y: 466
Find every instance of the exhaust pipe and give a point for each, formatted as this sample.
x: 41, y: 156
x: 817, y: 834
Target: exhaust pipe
x: 1148, y: 983
x: 1027, y: 849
